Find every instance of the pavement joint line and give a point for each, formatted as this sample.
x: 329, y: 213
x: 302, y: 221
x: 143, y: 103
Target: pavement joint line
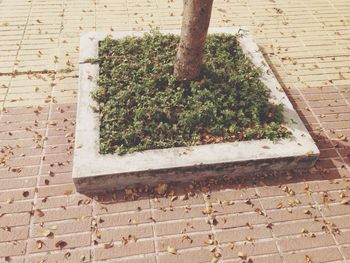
x: 131, y: 212
x: 182, y: 206
x: 35, y: 198
x: 18, y: 49
x: 338, y: 245
x: 152, y: 223
x: 269, y: 221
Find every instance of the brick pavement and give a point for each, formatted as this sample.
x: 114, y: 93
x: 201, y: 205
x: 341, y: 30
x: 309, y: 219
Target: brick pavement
x: 291, y: 218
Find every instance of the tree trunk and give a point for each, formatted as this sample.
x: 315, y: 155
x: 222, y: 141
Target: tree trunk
x: 195, y: 23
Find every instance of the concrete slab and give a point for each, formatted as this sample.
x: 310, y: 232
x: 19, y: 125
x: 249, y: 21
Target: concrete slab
x: 94, y: 172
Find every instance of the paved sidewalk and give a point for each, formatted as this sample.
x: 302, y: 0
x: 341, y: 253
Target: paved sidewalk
x: 294, y: 218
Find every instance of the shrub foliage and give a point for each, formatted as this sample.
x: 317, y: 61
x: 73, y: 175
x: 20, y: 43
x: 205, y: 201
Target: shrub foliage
x: 143, y: 106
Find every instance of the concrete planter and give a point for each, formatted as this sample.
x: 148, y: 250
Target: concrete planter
x: 95, y: 172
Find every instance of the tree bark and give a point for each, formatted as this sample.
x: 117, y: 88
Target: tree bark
x: 195, y: 23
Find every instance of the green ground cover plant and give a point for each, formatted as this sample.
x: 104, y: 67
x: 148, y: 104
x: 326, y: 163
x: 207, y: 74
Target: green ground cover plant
x: 143, y: 106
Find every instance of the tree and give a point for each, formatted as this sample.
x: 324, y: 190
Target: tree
x: 195, y: 23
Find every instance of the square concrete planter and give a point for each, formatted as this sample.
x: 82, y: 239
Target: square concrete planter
x: 93, y: 172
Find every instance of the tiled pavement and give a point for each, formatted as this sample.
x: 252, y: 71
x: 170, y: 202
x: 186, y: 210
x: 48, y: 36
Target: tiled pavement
x: 292, y: 218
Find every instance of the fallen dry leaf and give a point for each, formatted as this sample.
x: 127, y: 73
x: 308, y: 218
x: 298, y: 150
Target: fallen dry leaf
x: 325, y: 199
x: 108, y: 245
x: 53, y: 227
x: 172, y: 250
x: 242, y: 255
x: 161, y: 189
x: 61, y: 244
x: 279, y: 205
x: 209, y: 242
x: 67, y: 255
x: 345, y: 202
x: 231, y: 245
x: 307, y: 212
x: 44, y: 232
x: 39, y: 244
x: 40, y: 213
x: 307, y: 259
x: 68, y: 192
x: 173, y: 198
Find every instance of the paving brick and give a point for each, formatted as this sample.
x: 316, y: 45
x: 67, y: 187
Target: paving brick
x: 199, y: 255
x: 62, y: 189
x: 277, y: 190
x: 17, y: 259
x: 322, y: 186
x: 286, y: 201
x: 346, y: 251
x: 119, y: 233
x: 259, y: 259
x: 328, y: 153
x: 21, y: 126
x: 134, y: 218
x: 243, y: 193
x: 183, y: 241
x: 63, y: 178
x: 58, y: 140
x: 21, y: 172
x: 178, y: 213
x: 136, y: 259
x: 183, y: 226
x: 285, y: 214
x: 120, y: 250
x: 16, y: 207
x: 342, y: 222
x: 167, y: 201
x: 243, y: 234
x: 23, y: 161
x: 62, y: 213
x: 14, y: 233
x: 52, y: 201
x: 250, y: 205
x: 25, y: 117
x: 56, y: 168
x: 304, y: 242
x: 13, y: 248
x: 51, y: 244
x: 66, y: 255
x: 61, y: 148
x: 239, y: 220
x: 12, y: 195
x: 250, y: 249
x: 115, y: 207
x: 55, y: 158
x: 64, y: 130
x: 297, y: 227
x: 6, y: 184
x: 62, y: 227
x: 326, y: 254
x: 29, y: 152
x: 335, y: 210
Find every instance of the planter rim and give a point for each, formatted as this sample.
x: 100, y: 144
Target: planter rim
x: 89, y: 163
